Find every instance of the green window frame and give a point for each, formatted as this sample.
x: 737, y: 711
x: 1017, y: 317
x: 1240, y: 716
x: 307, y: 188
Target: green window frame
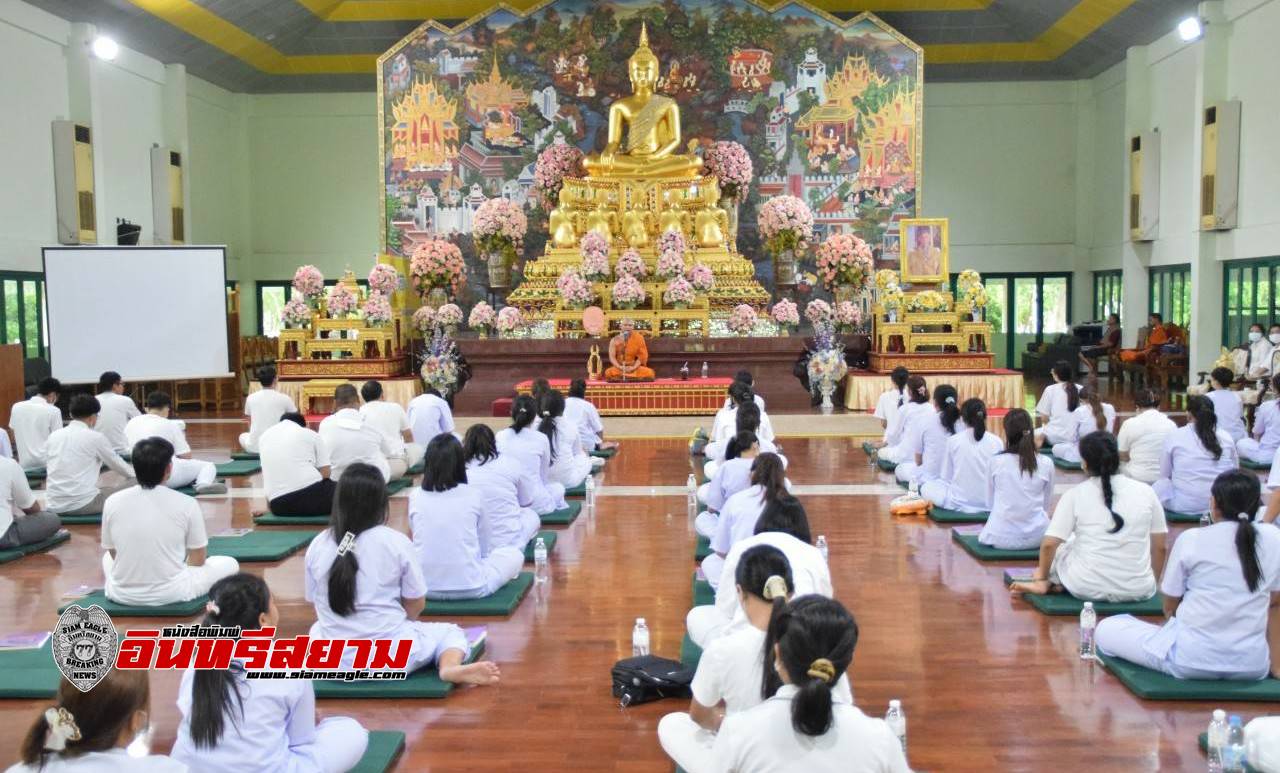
x: 1108, y: 293
x: 22, y: 312
x: 1250, y: 293
x: 1170, y: 293
x: 1011, y: 306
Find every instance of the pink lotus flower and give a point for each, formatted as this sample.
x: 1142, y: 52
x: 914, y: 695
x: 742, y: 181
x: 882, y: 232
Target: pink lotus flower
x: 731, y: 164
x: 818, y: 311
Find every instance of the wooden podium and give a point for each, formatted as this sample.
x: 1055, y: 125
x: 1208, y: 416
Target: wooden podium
x: 11, y: 387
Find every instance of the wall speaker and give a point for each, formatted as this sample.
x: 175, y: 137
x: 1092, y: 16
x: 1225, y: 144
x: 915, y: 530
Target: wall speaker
x: 73, y: 183
x: 1220, y: 166
x: 1144, y: 186
x: 167, y: 205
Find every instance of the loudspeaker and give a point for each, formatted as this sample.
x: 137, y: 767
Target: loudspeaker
x: 166, y: 196
x: 1144, y: 187
x: 73, y: 183
x: 1220, y: 166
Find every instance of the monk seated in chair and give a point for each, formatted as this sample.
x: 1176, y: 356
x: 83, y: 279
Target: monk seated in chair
x: 1159, y: 334
x: 629, y: 356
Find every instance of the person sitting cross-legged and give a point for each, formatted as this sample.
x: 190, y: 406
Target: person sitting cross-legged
x: 506, y: 489
x: 76, y: 455
x: 295, y: 468
x: 629, y: 355
x: 1261, y: 448
x: 264, y: 408
x: 583, y: 413
x: 392, y: 421
x: 429, y: 415
x: 186, y: 471
x: 22, y: 521
x: 155, y: 537
x: 117, y: 409
x: 33, y: 420
x: 349, y: 440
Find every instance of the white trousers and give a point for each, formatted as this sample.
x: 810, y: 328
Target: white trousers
x: 188, y: 472
x: 709, y: 469
x: 705, y: 624
x: 1067, y: 452
x: 247, y: 444
x: 688, y: 744
x: 1050, y: 436
x: 1252, y: 450
x: 1125, y: 636
x: 340, y: 743
x: 500, y: 567
x: 896, y: 454
x: 713, y: 567
x: 907, y: 471
x: 195, y: 581
x: 706, y: 523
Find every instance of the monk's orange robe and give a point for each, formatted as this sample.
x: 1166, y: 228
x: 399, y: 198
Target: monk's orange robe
x: 635, y: 352
x: 1155, y: 339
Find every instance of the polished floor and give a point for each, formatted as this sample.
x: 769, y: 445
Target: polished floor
x: 987, y: 683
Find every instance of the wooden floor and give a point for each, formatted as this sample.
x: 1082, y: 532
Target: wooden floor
x: 987, y: 683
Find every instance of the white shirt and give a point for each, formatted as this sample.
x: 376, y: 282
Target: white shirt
x: 151, y: 531
x: 1019, y: 503
x: 888, y: 409
x: 762, y: 740
x: 966, y: 463
x: 732, y: 670
x: 1191, y: 469
x: 113, y: 761
x: 1266, y: 426
x: 6, y: 450
x: 809, y: 572
x: 728, y: 402
x: 390, y: 419
x: 927, y: 437
x: 1100, y: 565
x: 1086, y: 422
x: 582, y: 413
x: 150, y: 425
x: 1230, y: 411
x: 76, y: 456
x: 529, y: 447
x: 32, y: 422
x: 429, y: 415
x: 291, y: 458
x: 1056, y: 407
x: 388, y: 571
x: 449, y: 537
x: 114, y: 413
x: 912, y: 418
x: 264, y: 409
x: 503, y: 485
x: 349, y: 441
x: 1142, y: 436
x: 730, y: 478
x: 738, y: 518
x: 15, y: 493
x: 726, y: 426
x: 1259, y: 361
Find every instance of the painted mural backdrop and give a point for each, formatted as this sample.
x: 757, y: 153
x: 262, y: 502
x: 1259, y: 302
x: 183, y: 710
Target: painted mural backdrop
x: 830, y: 111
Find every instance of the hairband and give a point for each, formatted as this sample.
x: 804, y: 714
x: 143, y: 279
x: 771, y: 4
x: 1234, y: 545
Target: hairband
x: 822, y: 669
x: 347, y: 544
x: 212, y: 608
x: 950, y: 400
x: 775, y: 588
x: 62, y: 728
x: 1243, y: 517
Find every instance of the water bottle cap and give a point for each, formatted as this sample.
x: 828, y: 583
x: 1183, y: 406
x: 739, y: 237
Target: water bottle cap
x: 1235, y: 719
x: 1088, y: 605
x: 895, y: 704
x: 542, y: 543
x: 639, y: 621
x: 1219, y: 715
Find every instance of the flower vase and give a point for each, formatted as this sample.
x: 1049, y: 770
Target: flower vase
x: 827, y: 388
x: 730, y: 205
x: 482, y: 333
x: 977, y: 315
x: 436, y: 297
x: 679, y: 306
x: 844, y: 292
x: 893, y: 315
x: 499, y: 271
x: 784, y: 269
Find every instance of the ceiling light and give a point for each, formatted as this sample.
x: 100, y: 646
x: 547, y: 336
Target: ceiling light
x: 1190, y: 28
x: 105, y: 48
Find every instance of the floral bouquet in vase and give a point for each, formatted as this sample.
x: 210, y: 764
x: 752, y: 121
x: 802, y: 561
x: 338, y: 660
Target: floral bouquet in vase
x: 377, y: 309
x: 848, y: 316
x: 672, y: 241
x: 786, y: 314
x: 845, y: 262
x: 975, y: 295
x: 510, y: 320
x: 731, y: 164
x: 966, y: 279
x: 424, y: 320
x: 575, y: 290
x: 295, y: 314
x: 440, y: 364
x: 437, y: 264
x: 449, y: 316
x: 558, y: 161
x: 891, y: 298
x: 818, y: 312
x: 826, y: 366
x: 309, y: 283
x: 742, y: 320
x: 702, y: 278
x: 886, y: 277
x: 627, y: 292
x: 481, y: 318
x: 670, y: 265
x: 499, y: 227
x: 929, y: 300
x: 786, y: 224
x: 341, y: 301
x: 384, y: 278
x: 679, y: 293
x: 595, y: 256
x: 631, y: 264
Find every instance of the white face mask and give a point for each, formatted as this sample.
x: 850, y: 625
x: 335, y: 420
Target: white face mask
x: 1274, y: 338
x: 1254, y: 336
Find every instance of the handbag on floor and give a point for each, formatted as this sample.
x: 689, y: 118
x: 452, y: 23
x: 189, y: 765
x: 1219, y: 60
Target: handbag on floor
x: 649, y: 678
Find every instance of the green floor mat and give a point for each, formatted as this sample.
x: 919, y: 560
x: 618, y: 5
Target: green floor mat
x: 1202, y: 741
x: 548, y: 536
x: 13, y: 554
x: 702, y: 548
x: 886, y: 465
x: 690, y: 653
x: 1063, y: 464
x: 984, y: 553
x: 1155, y: 686
x: 417, y: 468
x: 396, y: 485
x: 271, y: 519
x: 270, y: 545
x: 384, y: 747
x: 191, y: 490
x: 423, y: 683
x: 1047, y: 450
x: 605, y: 453
x: 1173, y: 516
x: 238, y: 467
x: 176, y: 609
x: 29, y: 673
x: 38, y: 473
x: 942, y: 515
x: 1066, y: 604
x: 868, y: 447
x: 240, y: 456
x: 1250, y: 464
x: 562, y: 517
x: 502, y: 603
x: 578, y: 491
x: 703, y: 593
x: 80, y: 520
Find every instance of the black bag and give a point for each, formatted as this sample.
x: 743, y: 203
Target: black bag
x: 650, y: 678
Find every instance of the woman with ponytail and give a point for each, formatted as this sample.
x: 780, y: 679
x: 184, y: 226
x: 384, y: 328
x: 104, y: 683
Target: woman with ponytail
x: 926, y: 440
x: 1261, y: 448
x: 805, y: 725
x: 890, y: 404
x: 1141, y: 437
x: 1193, y: 457
x: 365, y: 582
x: 1092, y: 415
x: 570, y: 463
x: 1106, y: 539
x: 532, y: 451
x: 740, y: 512
x: 1227, y: 404
x: 917, y: 411
x: 231, y: 723
x: 1219, y: 592
x: 1019, y: 485
x: 506, y: 490
x: 89, y: 731
x: 732, y: 476
x: 747, y: 418
x: 966, y: 461
x: 1057, y: 405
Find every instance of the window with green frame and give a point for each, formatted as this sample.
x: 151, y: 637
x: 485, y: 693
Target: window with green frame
x: 1170, y: 294
x: 273, y: 294
x: 22, y: 316
x: 1108, y: 292
x: 1251, y: 290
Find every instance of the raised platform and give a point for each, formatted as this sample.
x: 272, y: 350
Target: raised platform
x: 930, y: 362
x: 344, y: 367
x: 999, y: 389
x: 663, y: 397
x: 319, y: 397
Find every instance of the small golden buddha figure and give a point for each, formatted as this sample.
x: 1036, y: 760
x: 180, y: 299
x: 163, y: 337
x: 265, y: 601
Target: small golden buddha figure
x: 712, y: 221
x: 651, y: 123
x: 601, y: 221
x: 672, y: 217
x: 561, y: 222
x: 635, y: 231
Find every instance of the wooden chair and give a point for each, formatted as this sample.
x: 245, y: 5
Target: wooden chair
x: 1118, y: 368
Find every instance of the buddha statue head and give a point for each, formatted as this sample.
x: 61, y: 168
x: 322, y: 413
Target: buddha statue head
x: 643, y: 64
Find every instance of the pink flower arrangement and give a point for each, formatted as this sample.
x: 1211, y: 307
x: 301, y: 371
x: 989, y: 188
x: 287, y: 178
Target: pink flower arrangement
x: 575, y: 290
x: 731, y: 164
x: 846, y: 259
x: 341, y: 301
x: 437, y: 263
x: 424, y: 319
x: 482, y: 316
x: 702, y: 277
x: 848, y: 315
x: 558, y: 161
x: 742, y: 320
x: 670, y: 265
x: 785, y: 313
x: 631, y: 264
x: 628, y: 292
x: 377, y: 309
x: 295, y: 313
x: 679, y: 291
x: 594, y: 249
x: 499, y: 226
x: 671, y: 241
x: 449, y: 315
x: 309, y: 282
x: 786, y: 223
x: 510, y: 319
x: 384, y: 278
x: 818, y: 311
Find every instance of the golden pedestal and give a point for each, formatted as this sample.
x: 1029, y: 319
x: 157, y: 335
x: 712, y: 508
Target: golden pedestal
x: 652, y: 314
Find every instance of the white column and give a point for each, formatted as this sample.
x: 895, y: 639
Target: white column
x: 1135, y: 257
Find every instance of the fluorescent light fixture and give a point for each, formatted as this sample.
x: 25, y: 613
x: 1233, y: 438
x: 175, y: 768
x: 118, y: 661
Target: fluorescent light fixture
x: 1190, y: 28
x: 105, y: 48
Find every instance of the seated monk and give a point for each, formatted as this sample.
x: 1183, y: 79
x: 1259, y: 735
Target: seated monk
x: 1157, y: 337
x: 629, y: 355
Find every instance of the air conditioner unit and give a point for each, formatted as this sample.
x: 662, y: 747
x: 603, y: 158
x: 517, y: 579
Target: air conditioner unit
x: 1144, y: 187
x: 1220, y: 166
x: 166, y: 196
x: 73, y: 183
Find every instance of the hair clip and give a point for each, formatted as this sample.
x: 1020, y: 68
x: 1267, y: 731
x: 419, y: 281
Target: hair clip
x: 347, y: 544
x: 62, y: 728
x: 950, y: 400
x: 823, y: 669
x: 775, y: 588
x: 1243, y: 517
x: 212, y: 608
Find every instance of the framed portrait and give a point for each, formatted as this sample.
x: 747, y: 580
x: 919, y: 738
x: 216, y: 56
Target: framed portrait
x: 925, y: 248
x: 890, y: 250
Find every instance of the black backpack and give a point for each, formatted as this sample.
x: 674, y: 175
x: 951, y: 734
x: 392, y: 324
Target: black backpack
x: 650, y: 678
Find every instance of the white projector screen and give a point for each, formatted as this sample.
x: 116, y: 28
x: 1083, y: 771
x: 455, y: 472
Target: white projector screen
x: 150, y: 313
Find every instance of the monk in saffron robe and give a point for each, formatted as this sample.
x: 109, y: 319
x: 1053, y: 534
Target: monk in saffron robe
x: 1157, y: 336
x: 629, y: 355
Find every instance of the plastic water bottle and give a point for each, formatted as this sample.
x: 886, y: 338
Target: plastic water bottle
x: 691, y: 489
x: 541, y: 563
x: 913, y: 486
x: 1206, y: 520
x: 897, y: 719
x: 1217, y: 740
x: 591, y: 490
x: 1233, y: 750
x: 821, y: 545
x: 706, y: 371
x: 639, y: 639
x: 1088, y: 622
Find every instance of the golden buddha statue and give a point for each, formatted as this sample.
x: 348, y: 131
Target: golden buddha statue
x: 712, y: 221
x: 601, y: 220
x: 651, y: 123
x: 635, y: 229
x: 561, y: 221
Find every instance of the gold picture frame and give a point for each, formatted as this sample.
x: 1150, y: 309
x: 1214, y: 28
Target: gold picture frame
x: 928, y: 264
